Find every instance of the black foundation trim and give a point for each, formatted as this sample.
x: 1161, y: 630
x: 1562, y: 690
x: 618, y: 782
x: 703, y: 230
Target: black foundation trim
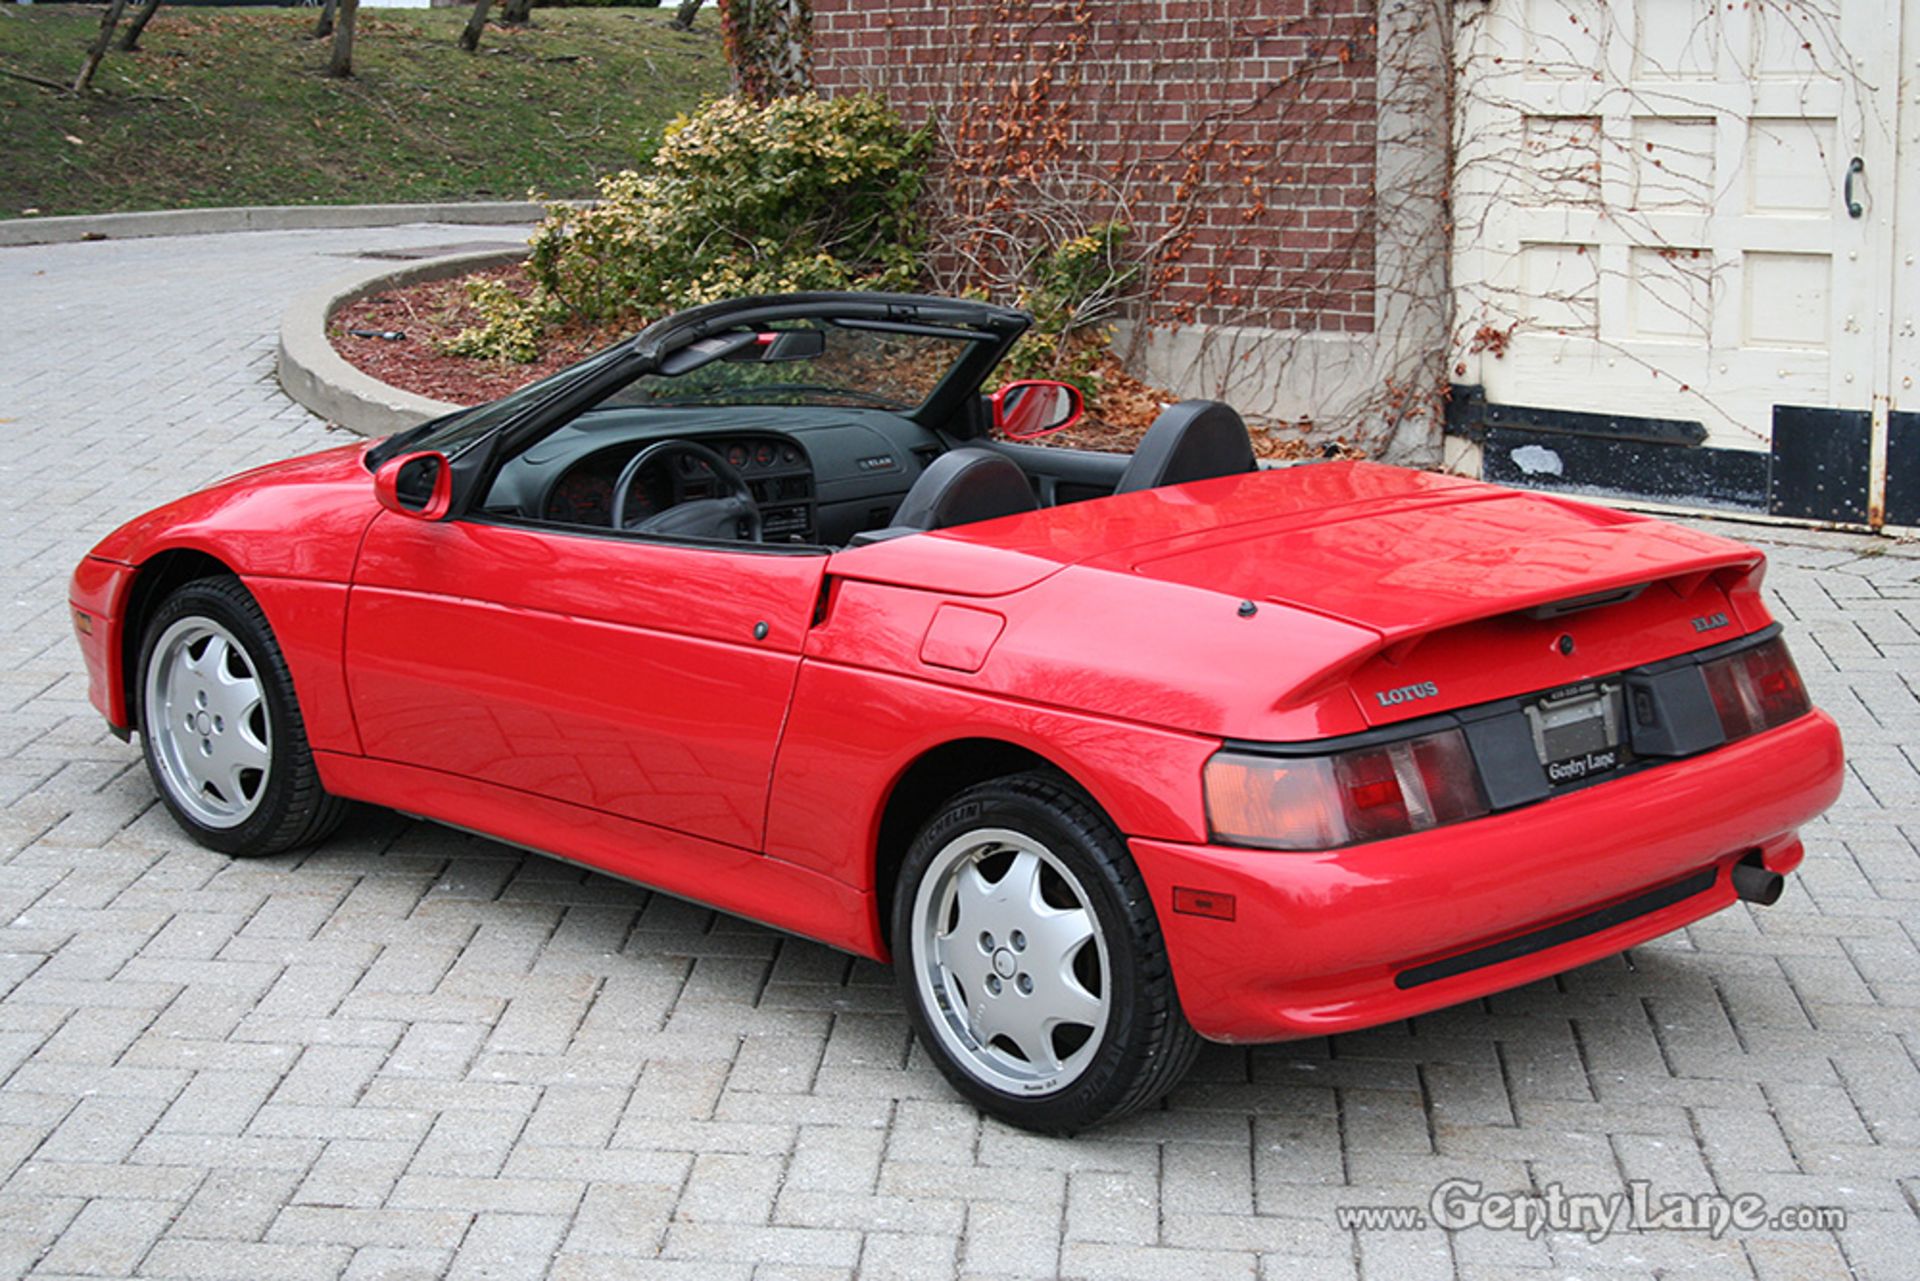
x: 1815, y: 469
x: 1903, y: 468
x: 1821, y: 458
x: 1468, y: 410
x: 1567, y: 931
x: 1734, y: 479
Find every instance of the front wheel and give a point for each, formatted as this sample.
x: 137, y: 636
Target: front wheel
x: 220, y: 729
x: 1028, y: 952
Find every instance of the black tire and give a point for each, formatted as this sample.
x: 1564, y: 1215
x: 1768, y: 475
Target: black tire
x: 271, y: 809
x: 1093, y: 1069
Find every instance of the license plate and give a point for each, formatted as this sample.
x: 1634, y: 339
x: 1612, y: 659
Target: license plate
x: 1577, y: 732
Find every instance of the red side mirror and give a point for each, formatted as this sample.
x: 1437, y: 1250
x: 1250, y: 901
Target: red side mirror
x: 1036, y: 406
x: 417, y: 486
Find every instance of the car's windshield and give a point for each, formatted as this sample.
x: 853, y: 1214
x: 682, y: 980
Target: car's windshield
x: 867, y: 368
x: 850, y: 364
x: 457, y: 430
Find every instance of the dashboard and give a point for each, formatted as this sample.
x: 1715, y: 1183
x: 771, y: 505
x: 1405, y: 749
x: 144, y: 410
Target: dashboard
x: 775, y: 468
x: 818, y: 474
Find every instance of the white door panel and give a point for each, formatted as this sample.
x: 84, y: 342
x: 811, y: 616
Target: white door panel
x: 1651, y: 215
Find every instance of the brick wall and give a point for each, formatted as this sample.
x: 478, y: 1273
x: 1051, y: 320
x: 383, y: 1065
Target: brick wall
x: 1240, y: 131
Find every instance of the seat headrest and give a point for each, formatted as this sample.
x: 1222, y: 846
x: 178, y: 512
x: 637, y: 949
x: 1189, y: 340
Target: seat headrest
x: 1193, y: 440
x: 962, y: 486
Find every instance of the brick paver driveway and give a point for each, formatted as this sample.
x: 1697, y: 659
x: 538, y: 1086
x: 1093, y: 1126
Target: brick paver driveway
x: 411, y: 1053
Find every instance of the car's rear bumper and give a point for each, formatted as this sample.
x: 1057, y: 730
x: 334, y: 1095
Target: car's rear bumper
x: 97, y: 598
x: 1331, y: 941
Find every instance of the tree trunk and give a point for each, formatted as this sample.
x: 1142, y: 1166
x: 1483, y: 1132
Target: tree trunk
x: 130, y: 40
x: 683, y: 20
x: 108, y: 21
x: 340, y: 65
x: 476, y: 23
x: 323, y: 25
x: 517, y: 13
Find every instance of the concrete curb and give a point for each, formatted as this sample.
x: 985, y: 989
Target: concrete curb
x: 200, y: 222
x: 315, y: 375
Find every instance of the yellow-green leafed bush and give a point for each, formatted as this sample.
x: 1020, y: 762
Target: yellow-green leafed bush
x: 1073, y: 290
x: 804, y: 193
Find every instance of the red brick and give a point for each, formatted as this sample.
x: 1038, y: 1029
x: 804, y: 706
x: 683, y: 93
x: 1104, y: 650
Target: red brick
x: 1252, y: 90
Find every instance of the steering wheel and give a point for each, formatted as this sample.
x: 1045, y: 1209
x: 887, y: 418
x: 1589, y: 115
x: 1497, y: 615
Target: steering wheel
x: 700, y: 518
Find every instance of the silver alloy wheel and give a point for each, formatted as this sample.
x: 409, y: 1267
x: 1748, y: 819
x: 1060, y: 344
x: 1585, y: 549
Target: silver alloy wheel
x: 1002, y: 932
x: 208, y: 720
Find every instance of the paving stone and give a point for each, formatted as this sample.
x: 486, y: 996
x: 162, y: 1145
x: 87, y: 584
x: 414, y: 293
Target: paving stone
x: 504, y: 1247
x: 902, y: 1256
x: 390, y: 1263
x: 235, y: 1205
x: 1118, y: 1209
x: 108, y: 1238
x: 622, y: 1220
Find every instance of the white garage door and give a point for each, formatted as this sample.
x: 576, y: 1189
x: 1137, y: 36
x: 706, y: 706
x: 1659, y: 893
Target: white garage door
x: 1682, y: 214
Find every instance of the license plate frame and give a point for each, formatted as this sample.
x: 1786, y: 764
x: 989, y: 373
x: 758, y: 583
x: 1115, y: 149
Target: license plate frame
x: 1578, y: 732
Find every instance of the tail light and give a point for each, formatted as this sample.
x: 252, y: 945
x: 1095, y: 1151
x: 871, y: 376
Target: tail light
x: 1321, y: 802
x: 1756, y: 689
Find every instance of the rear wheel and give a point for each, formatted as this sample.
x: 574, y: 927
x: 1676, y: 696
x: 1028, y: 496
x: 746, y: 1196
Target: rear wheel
x: 222, y: 735
x: 1030, y: 957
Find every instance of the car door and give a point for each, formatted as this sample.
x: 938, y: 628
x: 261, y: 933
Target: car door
x: 640, y: 678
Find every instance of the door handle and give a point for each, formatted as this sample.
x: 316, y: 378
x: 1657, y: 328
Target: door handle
x: 1854, y: 207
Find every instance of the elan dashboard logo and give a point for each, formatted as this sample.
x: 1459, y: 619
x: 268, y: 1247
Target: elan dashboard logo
x: 1406, y: 693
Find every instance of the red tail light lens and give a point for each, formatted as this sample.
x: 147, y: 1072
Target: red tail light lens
x: 1756, y: 689
x: 1322, y: 802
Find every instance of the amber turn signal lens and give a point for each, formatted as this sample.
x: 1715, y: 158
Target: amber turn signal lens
x: 1274, y: 804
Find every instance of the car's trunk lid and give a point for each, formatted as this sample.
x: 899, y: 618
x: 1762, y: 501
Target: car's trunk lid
x: 1475, y: 593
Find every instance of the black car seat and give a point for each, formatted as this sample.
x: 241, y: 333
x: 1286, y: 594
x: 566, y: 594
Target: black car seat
x: 958, y: 488
x: 1193, y: 440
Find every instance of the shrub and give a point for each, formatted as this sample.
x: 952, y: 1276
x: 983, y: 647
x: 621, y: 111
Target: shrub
x: 1073, y: 290
x: 804, y: 193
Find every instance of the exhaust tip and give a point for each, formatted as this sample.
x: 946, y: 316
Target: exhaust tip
x: 1755, y: 884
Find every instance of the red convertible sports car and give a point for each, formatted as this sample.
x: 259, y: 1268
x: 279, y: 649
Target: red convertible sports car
x: 767, y: 608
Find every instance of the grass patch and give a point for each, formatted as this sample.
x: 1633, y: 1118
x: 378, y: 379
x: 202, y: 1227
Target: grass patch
x: 230, y: 107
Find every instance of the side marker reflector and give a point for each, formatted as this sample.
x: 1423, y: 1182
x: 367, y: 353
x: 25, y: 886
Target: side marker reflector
x: 1202, y: 903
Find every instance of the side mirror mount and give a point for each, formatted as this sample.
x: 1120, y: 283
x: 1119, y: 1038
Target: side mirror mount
x: 1035, y: 407
x: 418, y: 486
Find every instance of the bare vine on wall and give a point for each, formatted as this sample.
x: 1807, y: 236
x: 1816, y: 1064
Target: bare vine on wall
x: 1255, y: 262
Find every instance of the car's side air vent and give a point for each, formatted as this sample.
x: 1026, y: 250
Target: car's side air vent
x: 1595, y: 600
